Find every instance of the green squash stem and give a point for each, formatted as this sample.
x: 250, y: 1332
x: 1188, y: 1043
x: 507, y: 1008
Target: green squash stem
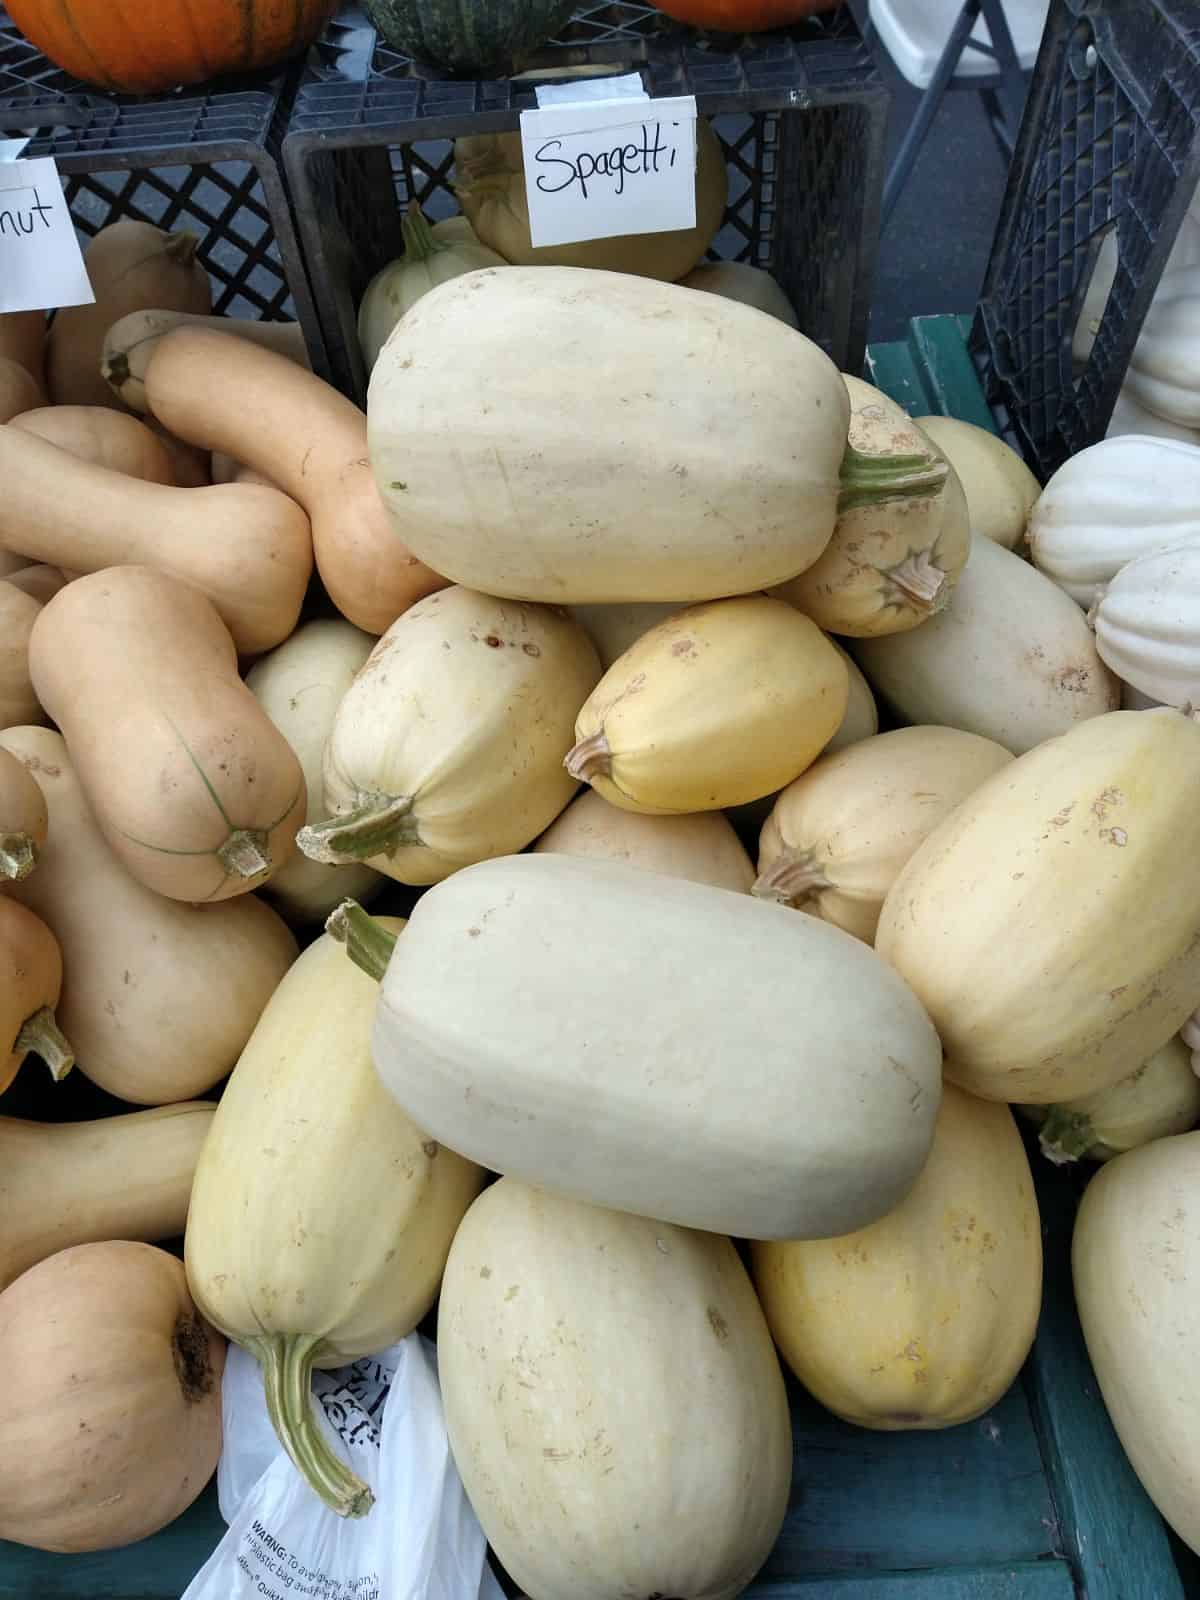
x: 41, y: 1035
x: 18, y: 856
x: 1065, y: 1136
x: 420, y: 241
x: 380, y: 825
x: 287, y: 1362
x: 368, y: 944
x: 867, y: 479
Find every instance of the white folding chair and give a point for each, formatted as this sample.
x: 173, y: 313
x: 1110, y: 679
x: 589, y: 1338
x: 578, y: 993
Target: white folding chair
x: 937, y: 45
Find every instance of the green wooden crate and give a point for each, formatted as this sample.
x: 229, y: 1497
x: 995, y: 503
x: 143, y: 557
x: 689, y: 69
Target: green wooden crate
x: 1035, y: 1501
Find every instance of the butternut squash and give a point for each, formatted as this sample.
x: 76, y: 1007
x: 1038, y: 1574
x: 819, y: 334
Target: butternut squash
x: 69, y: 1183
x: 803, y: 1110
x: 321, y: 1217
x: 448, y: 747
x: 23, y: 819
x: 18, y: 613
x: 111, y: 1424
x: 23, y: 340
x: 609, y: 473
x: 300, y: 686
x: 130, y: 343
x: 19, y: 390
x: 717, y: 705
x: 105, y: 438
x: 40, y: 582
x: 197, y: 792
x: 1000, y: 489
x: 923, y: 1319
x: 748, y: 285
x: 1135, y: 1258
x: 191, y: 467
x: 840, y: 834
x: 490, y: 186
x: 1021, y: 923
x: 1161, y: 1098
x: 248, y: 548
x: 30, y: 984
x: 160, y: 997
x: 892, y: 562
x: 1011, y: 658
x: 702, y: 847
x: 221, y: 393
x: 563, y: 1330
x: 131, y: 265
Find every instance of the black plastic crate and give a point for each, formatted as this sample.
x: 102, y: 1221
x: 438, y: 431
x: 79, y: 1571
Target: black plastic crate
x: 1108, y: 144
x: 802, y: 115
x: 204, y: 159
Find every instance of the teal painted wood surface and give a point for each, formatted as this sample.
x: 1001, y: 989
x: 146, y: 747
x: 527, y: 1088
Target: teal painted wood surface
x: 1035, y: 1501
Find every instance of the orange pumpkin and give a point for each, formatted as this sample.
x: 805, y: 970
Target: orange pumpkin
x: 744, y: 16
x: 167, y: 42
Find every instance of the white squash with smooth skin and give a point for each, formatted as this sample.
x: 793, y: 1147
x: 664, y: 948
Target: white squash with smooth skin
x: 321, y: 1217
x: 1148, y: 625
x: 1115, y: 501
x: 613, y: 1400
x: 1136, y: 1263
x: 841, y: 833
x: 1010, y: 658
x: 559, y: 1020
x: 300, y: 686
x: 702, y: 846
x: 999, y: 487
x: 449, y: 746
x: 1022, y: 921
x: 1161, y: 1098
x: 608, y: 471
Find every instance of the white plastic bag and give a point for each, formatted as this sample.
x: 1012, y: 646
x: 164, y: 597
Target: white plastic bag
x: 420, y: 1540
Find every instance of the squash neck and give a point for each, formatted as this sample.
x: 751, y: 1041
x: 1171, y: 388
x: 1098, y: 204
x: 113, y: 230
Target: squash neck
x: 368, y: 943
x: 287, y: 1361
x: 867, y: 479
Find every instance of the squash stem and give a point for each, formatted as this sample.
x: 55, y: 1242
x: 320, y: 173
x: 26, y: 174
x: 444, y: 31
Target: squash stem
x: 1066, y: 1135
x: 791, y: 879
x: 41, y: 1035
x: 379, y: 827
x: 245, y: 853
x: 287, y: 1362
x: 420, y: 241
x: 591, y: 758
x: 920, y: 580
x: 867, y: 479
x: 368, y: 944
x: 18, y: 856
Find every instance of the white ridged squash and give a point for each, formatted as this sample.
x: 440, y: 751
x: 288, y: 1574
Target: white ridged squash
x: 1114, y: 501
x: 1148, y: 625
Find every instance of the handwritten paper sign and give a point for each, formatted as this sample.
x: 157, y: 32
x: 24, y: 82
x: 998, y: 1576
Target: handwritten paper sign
x: 41, y: 265
x: 603, y: 159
